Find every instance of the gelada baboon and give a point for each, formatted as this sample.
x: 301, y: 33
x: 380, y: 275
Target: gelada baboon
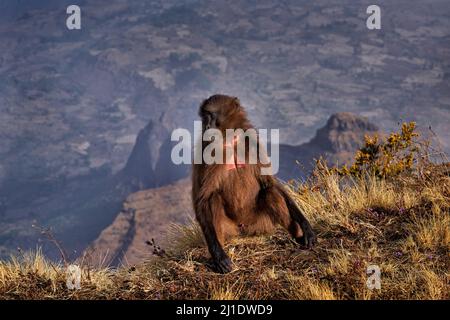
x: 239, y: 201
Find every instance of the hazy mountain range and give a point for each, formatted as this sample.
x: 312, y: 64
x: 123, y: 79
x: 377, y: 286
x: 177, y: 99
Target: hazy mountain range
x: 72, y: 103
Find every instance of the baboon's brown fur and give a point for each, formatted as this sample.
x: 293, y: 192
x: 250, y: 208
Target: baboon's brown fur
x: 239, y: 201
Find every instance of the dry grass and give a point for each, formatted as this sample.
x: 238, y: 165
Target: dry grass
x: 401, y: 225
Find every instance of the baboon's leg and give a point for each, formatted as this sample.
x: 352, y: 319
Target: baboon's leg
x: 216, y: 227
x: 284, y: 211
x: 260, y: 222
x: 271, y: 205
x: 309, y: 237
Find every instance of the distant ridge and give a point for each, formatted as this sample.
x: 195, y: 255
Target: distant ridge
x: 337, y: 141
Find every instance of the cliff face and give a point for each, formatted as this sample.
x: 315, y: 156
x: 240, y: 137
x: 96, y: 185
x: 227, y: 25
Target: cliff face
x: 146, y: 214
x: 80, y: 208
x: 343, y: 132
x: 336, y: 142
x: 149, y: 164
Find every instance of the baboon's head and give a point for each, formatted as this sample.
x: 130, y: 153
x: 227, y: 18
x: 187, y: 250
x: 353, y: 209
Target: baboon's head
x: 223, y: 112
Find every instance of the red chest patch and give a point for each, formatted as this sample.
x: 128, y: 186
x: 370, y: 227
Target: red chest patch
x: 233, y: 163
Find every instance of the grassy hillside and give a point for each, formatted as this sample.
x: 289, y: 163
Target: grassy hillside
x: 398, y: 221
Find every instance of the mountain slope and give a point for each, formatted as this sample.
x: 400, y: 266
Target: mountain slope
x: 360, y: 228
x: 145, y: 215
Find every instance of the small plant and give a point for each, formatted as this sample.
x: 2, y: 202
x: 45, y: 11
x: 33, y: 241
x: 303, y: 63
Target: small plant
x: 385, y: 158
x: 157, y: 250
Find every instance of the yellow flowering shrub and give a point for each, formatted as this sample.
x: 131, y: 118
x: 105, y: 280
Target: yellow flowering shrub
x: 384, y: 157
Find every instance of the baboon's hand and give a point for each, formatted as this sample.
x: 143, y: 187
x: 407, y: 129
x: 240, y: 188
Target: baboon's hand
x: 222, y: 263
x: 309, y: 237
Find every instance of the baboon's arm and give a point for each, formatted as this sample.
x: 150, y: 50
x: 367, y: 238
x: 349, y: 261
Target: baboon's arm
x: 209, y: 212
